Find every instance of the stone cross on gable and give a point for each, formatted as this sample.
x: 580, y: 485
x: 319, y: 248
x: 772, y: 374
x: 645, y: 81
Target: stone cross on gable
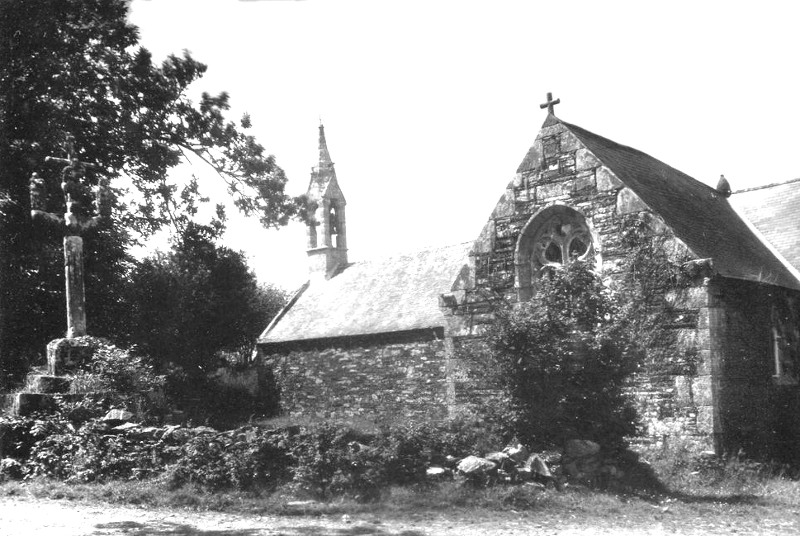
x: 550, y: 103
x: 72, y: 224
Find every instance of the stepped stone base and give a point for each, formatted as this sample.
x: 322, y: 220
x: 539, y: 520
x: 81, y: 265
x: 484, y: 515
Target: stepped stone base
x: 24, y: 404
x: 67, y: 355
x: 64, y: 356
x: 27, y: 403
x: 46, y: 384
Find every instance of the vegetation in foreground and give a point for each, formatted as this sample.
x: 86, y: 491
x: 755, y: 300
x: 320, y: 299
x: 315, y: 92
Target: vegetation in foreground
x: 329, y: 469
x: 712, y: 496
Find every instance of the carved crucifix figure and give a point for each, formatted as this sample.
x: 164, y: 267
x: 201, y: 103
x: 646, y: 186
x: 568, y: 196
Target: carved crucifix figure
x: 73, y: 223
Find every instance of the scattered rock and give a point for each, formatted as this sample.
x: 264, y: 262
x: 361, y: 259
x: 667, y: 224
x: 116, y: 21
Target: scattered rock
x: 535, y: 485
x: 436, y: 472
x: 517, y: 452
x: 524, y: 474
x: 10, y: 468
x: 450, y: 461
x: 197, y: 430
x: 538, y: 466
x: 301, y: 503
x: 117, y: 415
x: 125, y: 427
x: 474, y: 465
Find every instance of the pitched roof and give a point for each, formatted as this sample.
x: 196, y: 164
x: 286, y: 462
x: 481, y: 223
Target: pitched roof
x: 699, y: 215
x: 775, y: 211
x: 379, y: 296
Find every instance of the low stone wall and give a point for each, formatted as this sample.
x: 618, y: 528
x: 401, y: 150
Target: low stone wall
x: 382, y: 377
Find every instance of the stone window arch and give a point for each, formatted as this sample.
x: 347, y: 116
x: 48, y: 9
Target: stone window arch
x: 553, y: 237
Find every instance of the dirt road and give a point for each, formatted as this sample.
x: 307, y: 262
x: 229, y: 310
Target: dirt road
x: 23, y: 516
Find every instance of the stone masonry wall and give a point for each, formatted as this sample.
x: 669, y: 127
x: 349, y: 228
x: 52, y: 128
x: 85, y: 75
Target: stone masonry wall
x: 369, y: 378
x: 673, y: 393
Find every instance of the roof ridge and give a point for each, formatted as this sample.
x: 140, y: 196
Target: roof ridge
x: 639, y: 151
x: 764, y: 186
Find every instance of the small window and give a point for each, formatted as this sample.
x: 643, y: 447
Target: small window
x: 785, y: 350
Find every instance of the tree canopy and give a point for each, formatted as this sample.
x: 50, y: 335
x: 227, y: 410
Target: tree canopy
x: 75, y: 67
x: 200, y: 299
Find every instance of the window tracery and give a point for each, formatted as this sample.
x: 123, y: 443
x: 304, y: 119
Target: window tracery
x: 563, y: 238
x: 554, y: 236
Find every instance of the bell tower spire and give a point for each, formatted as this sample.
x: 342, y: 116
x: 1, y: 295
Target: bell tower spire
x: 326, y: 231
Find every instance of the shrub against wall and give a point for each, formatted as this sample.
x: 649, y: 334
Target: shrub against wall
x: 563, y: 358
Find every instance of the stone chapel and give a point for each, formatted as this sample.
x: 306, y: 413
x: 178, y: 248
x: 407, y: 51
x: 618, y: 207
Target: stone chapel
x: 392, y: 337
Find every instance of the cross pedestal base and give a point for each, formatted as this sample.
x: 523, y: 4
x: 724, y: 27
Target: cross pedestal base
x: 67, y: 355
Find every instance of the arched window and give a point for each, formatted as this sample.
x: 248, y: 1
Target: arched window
x: 553, y: 237
x: 559, y: 240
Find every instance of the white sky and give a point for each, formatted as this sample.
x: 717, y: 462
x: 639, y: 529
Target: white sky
x: 429, y: 106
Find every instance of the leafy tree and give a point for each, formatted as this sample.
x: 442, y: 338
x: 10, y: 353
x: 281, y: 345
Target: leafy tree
x: 75, y: 67
x: 188, y: 306
x: 563, y: 358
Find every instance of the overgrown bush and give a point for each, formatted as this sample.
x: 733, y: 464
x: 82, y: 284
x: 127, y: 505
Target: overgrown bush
x: 244, y: 459
x: 114, y: 369
x: 563, y: 358
x: 333, y: 459
x: 114, y: 377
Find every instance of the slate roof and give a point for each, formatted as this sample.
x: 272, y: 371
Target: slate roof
x: 699, y: 215
x: 379, y: 296
x: 775, y: 211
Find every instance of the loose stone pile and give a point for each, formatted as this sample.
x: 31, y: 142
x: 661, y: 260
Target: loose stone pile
x: 581, y: 461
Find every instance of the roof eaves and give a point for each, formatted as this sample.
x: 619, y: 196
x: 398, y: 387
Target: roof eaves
x: 767, y: 244
x: 284, y: 310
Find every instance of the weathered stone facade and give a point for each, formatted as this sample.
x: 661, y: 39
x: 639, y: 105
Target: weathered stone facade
x: 559, y: 173
x: 709, y: 376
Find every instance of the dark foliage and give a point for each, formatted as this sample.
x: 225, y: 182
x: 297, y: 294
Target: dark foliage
x: 75, y: 67
x: 189, y: 306
x: 563, y: 358
x: 205, y: 400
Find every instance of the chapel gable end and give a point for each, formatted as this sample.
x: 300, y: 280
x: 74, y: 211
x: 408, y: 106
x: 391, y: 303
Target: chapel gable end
x: 563, y: 202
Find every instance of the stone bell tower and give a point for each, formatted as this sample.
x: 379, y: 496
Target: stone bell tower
x: 327, y: 228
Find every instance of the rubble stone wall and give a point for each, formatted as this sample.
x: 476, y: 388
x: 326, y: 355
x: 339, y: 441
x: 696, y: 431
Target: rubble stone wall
x: 374, y: 378
x: 673, y: 393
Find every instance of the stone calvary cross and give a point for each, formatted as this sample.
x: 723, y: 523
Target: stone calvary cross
x: 73, y: 222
